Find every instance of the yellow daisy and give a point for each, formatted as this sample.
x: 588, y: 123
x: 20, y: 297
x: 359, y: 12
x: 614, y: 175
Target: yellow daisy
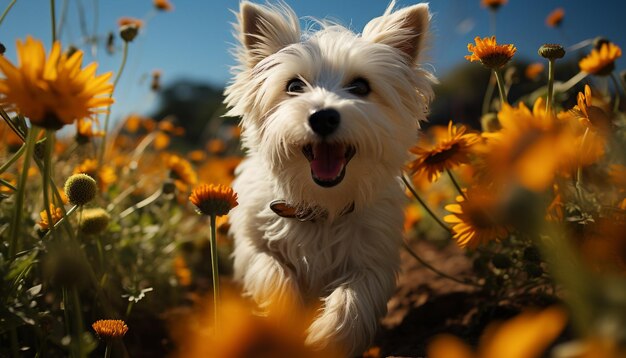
x: 55, y: 91
x: 449, y: 152
x: 489, y: 53
x: 56, y: 214
x: 601, y: 61
x: 472, y: 222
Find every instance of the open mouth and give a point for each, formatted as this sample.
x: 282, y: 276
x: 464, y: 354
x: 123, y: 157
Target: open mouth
x: 328, y: 162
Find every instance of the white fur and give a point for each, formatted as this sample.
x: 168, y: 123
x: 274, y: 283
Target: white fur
x: 350, y: 261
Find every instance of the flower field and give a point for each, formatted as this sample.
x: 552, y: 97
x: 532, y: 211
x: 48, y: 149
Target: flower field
x: 114, y: 233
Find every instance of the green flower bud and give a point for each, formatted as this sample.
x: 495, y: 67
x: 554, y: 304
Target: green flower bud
x: 94, y: 221
x: 551, y: 51
x: 80, y: 189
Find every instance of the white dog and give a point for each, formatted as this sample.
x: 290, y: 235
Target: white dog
x: 328, y: 117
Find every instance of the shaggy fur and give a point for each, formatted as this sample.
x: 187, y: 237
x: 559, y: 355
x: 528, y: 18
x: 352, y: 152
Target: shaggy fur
x: 345, y: 260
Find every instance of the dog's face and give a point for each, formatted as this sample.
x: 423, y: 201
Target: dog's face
x: 331, y: 113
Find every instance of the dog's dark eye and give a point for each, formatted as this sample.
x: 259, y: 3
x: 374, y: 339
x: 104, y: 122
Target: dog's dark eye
x: 359, y: 87
x: 295, y: 85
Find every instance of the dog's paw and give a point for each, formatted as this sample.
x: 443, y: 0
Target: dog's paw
x: 344, y: 324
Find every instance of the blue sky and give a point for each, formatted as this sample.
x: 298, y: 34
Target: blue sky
x: 193, y: 41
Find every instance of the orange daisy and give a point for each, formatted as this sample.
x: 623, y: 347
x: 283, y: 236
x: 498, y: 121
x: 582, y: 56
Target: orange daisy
x: 555, y: 18
x: 489, y: 53
x: 214, y: 200
x: 601, y: 62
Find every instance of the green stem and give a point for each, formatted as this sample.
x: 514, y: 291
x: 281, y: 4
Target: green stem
x: 108, y: 114
x: 579, y: 171
x: 54, y: 20
x: 142, y: 203
x: 456, y: 184
x: 419, y: 199
x: 129, y: 308
x: 501, y: 89
x: 549, y: 99
x: 6, y: 11
x: 7, y: 184
x: 617, y: 96
x: 47, y: 173
x: 491, y: 86
x: 13, y: 159
x: 66, y: 313
x: 16, y: 223
x: 435, y: 270
x: 12, y: 125
x: 215, y: 274
x: 107, y: 350
x: 78, y: 319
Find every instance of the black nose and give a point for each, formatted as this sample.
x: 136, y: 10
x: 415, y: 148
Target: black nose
x: 324, y: 121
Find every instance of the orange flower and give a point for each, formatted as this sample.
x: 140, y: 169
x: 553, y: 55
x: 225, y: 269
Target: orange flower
x: 473, y: 221
x: 214, y: 200
x: 534, y: 70
x: 555, y: 18
x: 526, y: 336
x: 85, y: 130
x: 601, y: 62
x: 129, y: 21
x: 489, y: 53
x: 110, y: 328
x: 493, y: 4
x: 181, y: 171
x: 56, y: 214
x: 104, y: 177
x: 163, y: 5
x: 55, y: 91
x: 448, y: 153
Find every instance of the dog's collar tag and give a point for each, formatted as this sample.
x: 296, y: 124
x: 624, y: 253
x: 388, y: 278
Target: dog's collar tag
x: 282, y: 209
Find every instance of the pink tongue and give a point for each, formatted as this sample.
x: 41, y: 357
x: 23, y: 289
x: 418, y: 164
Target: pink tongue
x: 328, y: 161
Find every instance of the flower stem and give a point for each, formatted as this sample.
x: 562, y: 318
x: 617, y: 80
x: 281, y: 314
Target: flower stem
x: 46, y: 174
x: 58, y: 223
x: 54, y: 20
x: 13, y: 159
x: 419, y: 199
x: 7, y: 184
x: 6, y: 11
x: 617, y: 95
x: 491, y: 85
x: 456, y: 184
x: 16, y: 223
x: 435, y: 270
x: 108, y: 114
x: 501, y: 89
x: 579, y: 171
x: 78, y: 319
x: 549, y: 98
x: 215, y: 274
x: 107, y: 350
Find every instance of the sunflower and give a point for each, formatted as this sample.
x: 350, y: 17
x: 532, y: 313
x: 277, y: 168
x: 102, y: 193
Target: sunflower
x: 601, y: 61
x: 473, y: 224
x: 555, y: 18
x: 531, y: 147
x: 212, y: 199
x: 452, y: 150
x: 489, y: 53
x: 55, y: 91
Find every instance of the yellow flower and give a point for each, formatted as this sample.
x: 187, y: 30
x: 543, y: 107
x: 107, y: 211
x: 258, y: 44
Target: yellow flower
x: 534, y: 70
x: 110, y: 328
x: 449, y: 152
x: 530, y: 148
x: 590, y: 115
x: 473, y: 224
x: 489, y: 53
x: 601, y: 62
x: 105, y: 176
x: 212, y: 199
x: 182, y: 172
x: 56, y: 214
x: 132, y: 123
x: 56, y: 91
x: 85, y: 130
x: 493, y: 4
x: 526, y: 336
x: 555, y: 18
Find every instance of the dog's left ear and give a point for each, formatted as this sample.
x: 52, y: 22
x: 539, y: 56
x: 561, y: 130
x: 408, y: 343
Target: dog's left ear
x: 265, y: 29
x: 404, y: 29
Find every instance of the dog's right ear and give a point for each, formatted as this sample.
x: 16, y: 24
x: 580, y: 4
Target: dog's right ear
x: 264, y: 30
